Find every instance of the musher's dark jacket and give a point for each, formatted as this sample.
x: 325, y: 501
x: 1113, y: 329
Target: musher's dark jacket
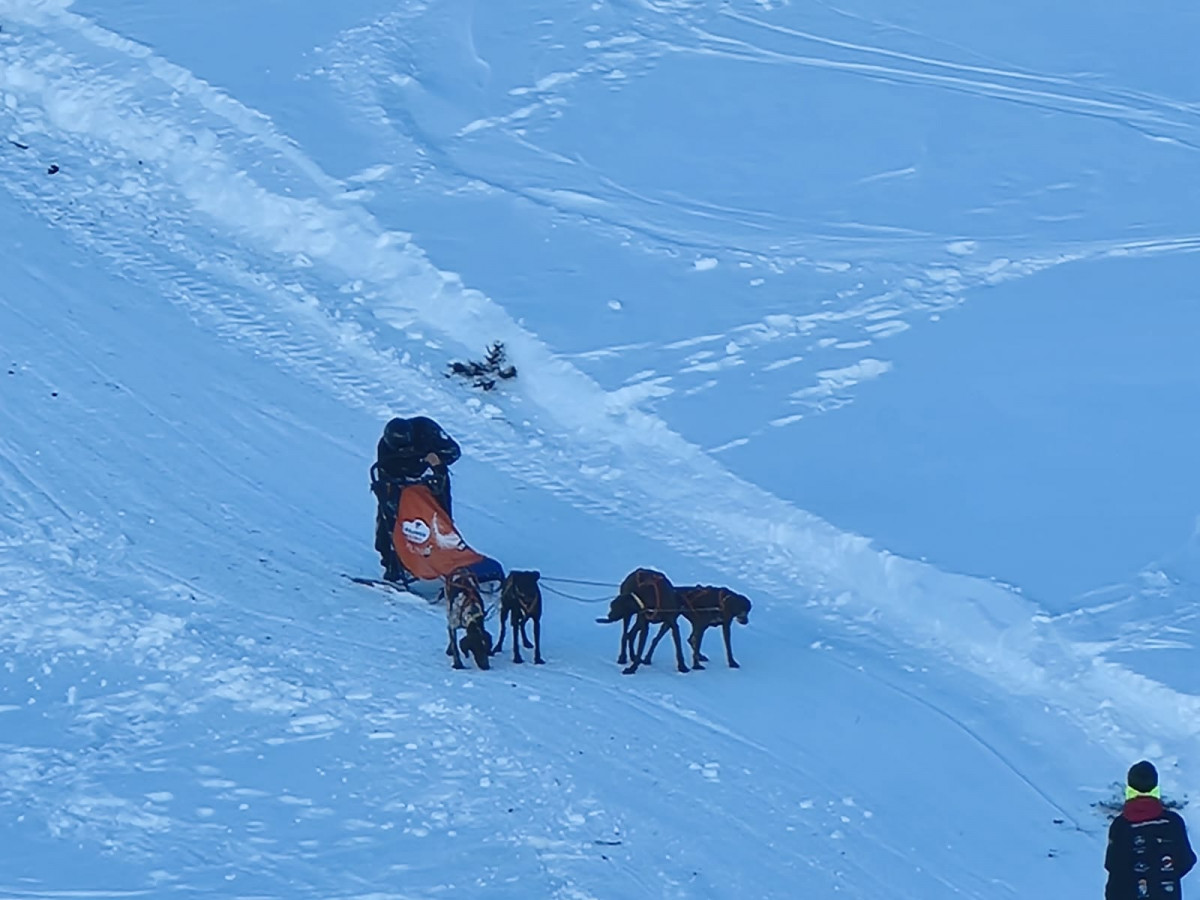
x: 1148, y: 852
x: 409, y: 463
x: 396, y: 467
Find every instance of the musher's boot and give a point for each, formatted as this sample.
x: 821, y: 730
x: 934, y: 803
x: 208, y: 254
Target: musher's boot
x: 393, y: 571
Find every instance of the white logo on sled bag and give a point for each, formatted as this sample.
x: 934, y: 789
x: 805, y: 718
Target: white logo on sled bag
x: 415, y: 530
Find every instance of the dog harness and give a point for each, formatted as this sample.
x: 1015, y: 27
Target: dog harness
x: 526, y: 608
x: 464, y: 606
x: 653, y: 580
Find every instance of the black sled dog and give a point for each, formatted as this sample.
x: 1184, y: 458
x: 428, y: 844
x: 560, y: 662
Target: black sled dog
x: 521, y: 602
x: 645, y: 597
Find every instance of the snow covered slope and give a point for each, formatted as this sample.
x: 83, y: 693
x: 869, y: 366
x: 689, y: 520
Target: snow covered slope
x: 697, y: 227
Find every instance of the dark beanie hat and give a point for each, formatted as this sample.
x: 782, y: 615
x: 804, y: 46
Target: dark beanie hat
x: 1143, y: 777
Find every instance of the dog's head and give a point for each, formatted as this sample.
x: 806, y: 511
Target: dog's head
x: 624, y: 606
x: 736, y: 606
x: 477, y: 643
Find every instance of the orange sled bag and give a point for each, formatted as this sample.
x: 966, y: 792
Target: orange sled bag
x: 425, y: 538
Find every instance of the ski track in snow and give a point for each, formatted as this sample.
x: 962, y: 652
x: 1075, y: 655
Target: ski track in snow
x: 153, y: 159
x: 123, y: 732
x: 1157, y: 118
x: 371, y: 65
x: 363, y: 63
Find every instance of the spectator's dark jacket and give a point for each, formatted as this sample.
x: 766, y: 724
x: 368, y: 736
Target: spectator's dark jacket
x: 1148, y: 852
x: 409, y: 464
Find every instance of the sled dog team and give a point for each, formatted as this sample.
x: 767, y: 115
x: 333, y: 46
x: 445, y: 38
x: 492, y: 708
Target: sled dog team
x: 418, y: 451
x: 1148, y: 850
x: 646, y: 597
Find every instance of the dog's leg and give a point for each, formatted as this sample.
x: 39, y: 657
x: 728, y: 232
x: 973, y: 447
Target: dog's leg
x: 637, y: 639
x: 654, y: 643
x: 500, y: 643
x: 694, y: 640
x: 641, y: 630
x: 518, y: 625
x: 725, y: 629
x: 458, y: 663
x: 673, y: 624
x: 537, y: 639
x: 699, y: 640
x: 524, y: 638
x: 703, y: 626
x: 625, y: 640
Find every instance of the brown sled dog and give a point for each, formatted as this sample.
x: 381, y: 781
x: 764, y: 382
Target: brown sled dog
x: 705, y: 606
x: 464, y: 610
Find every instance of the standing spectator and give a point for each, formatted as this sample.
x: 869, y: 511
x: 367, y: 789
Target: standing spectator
x: 1148, y: 850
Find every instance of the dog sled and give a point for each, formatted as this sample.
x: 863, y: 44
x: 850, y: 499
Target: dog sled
x: 430, y: 547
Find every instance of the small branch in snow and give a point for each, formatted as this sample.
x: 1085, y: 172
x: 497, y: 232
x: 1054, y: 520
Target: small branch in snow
x: 484, y: 374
